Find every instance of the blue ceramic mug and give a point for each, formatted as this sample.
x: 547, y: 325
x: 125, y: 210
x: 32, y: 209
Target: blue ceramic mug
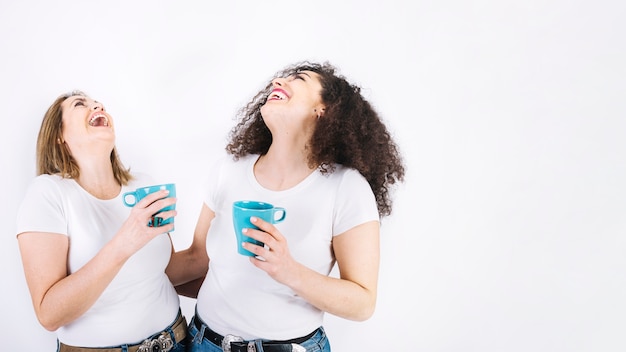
x: 243, y: 210
x: 133, y: 197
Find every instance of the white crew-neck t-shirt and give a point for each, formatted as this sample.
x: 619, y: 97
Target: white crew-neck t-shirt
x: 140, y: 301
x: 240, y: 299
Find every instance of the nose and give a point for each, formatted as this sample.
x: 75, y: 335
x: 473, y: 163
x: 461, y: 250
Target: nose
x: 278, y: 82
x: 97, y: 106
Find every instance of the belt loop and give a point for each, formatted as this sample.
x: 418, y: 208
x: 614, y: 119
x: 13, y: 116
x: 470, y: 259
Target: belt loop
x: 200, y: 335
x: 255, y: 346
x: 170, y: 330
x: 124, y: 348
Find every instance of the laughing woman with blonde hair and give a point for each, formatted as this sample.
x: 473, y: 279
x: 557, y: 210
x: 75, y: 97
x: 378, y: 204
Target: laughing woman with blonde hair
x: 94, y: 268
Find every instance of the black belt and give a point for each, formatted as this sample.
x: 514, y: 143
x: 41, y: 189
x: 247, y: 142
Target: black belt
x: 242, y: 346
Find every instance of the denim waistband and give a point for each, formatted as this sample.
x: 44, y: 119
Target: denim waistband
x: 176, y: 332
x: 233, y: 343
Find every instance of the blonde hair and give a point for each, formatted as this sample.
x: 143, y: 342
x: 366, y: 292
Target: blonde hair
x: 55, y: 158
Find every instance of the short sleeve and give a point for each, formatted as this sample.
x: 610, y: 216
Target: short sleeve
x: 41, y: 209
x: 355, y: 203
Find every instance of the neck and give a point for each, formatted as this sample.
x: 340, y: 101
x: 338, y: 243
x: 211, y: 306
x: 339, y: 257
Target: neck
x: 97, y: 178
x: 280, y: 169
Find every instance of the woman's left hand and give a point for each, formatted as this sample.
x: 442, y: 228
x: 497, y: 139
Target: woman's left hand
x: 352, y: 295
x: 274, y: 258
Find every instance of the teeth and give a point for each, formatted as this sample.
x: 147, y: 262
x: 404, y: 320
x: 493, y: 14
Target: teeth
x: 94, y: 119
x: 277, y: 95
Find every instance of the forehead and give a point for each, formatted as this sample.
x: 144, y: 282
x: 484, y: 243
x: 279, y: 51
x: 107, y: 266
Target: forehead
x: 69, y: 100
x: 300, y: 71
x: 311, y: 77
x: 309, y: 73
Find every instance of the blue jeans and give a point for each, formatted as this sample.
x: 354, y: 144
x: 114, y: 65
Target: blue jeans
x: 197, y: 343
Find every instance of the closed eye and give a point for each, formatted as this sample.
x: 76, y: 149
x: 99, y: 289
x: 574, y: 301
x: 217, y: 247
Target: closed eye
x: 79, y: 102
x: 299, y: 75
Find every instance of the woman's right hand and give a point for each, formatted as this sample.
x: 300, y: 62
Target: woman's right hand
x: 135, y: 232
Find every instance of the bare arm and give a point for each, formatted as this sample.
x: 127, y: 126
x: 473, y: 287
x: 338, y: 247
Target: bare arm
x: 187, y: 268
x: 58, y: 297
x: 352, y: 295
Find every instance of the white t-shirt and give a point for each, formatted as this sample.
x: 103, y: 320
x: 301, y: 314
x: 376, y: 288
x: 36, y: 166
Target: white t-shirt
x: 237, y: 297
x: 140, y: 301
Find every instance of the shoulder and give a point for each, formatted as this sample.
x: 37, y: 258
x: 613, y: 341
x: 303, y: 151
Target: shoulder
x: 350, y: 174
x: 46, y: 178
x: 347, y: 181
x: 50, y: 183
x: 47, y: 189
x: 352, y: 183
x: 346, y: 175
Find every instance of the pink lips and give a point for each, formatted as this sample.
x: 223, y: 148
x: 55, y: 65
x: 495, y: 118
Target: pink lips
x: 280, y: 91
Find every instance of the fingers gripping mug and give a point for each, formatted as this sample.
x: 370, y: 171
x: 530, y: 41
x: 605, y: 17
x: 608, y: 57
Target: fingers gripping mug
x: 133, y: 197
x: 243, y: 210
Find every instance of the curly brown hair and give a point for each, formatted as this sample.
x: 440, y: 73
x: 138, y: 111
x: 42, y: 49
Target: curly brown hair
x: 351, y: 133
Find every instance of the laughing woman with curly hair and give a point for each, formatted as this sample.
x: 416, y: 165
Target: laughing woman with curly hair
x: 312, y: 144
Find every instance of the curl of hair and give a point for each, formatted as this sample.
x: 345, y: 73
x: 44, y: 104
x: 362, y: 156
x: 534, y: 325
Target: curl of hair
x: 53, y: 155
x: 350, y: 133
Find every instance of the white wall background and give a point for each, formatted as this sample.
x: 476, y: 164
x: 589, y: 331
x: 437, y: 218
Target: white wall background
x: 508, y: 234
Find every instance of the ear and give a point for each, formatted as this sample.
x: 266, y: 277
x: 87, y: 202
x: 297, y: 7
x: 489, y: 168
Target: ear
x: 319, y: 111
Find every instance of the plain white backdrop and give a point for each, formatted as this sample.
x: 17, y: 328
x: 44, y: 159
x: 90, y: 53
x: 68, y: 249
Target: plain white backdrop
x: 508, y: 234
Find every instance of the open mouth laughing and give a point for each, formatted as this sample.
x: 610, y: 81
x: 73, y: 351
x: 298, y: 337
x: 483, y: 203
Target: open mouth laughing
x: 278, y: 94
x: 99, y: 120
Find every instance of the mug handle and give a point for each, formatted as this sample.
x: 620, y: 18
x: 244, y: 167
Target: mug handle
x: 127, y: 194
x: 284, y: 214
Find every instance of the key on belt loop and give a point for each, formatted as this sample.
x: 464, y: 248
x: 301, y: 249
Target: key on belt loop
x: 251, y: 346
x: 297, y: 348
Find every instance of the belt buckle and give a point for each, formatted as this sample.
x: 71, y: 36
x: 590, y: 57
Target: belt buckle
x: 228, y: 339
x: 163, y: 343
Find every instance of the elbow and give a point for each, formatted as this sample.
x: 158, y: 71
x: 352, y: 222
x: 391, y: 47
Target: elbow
x: 359, y: 306
x: 48, y: 324
x: 368, y: 307
x: 50, y: 328
x: 187, y: 265
x: 365, y: 313
x: 48, y: 320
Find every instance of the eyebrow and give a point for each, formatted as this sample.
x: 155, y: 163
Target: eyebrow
x: 303, y: 73
x: 77, y: 98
